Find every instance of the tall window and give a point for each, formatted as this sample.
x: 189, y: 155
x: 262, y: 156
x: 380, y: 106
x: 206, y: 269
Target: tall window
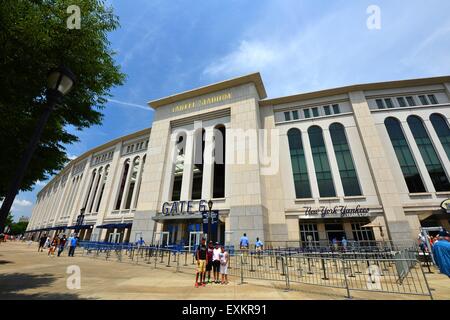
x: 91, y: 204
x: 442, y: 130
x: 219, y: 162
x: 199, y: 153
x: 344, y: 160
x: 429, y: 155
x: 123, y: 181
x: 361, y: 233
x: 309, y: 232
x: 102, y: 188
x: 404, y: 156
x: 321, y: 164
x: 298, y: 162
x: 179, y: 167
x: 139, y: 182
x: 132, y: 183
x: 90, y: 188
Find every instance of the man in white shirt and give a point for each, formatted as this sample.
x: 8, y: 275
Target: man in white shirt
x: 216, y: 262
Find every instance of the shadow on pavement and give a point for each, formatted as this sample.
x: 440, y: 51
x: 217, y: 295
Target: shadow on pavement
x: 5, y: 262
x: 11, y: 284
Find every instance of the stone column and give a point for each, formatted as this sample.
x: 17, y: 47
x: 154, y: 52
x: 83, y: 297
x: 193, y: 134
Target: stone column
x: 208, y: 164
x: 333, y: 163
x: 310, y: 166
x: 186, y: 186
x: 388, y: 195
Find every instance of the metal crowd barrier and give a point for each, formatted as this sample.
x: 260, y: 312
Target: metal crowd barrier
x: 397, y: 272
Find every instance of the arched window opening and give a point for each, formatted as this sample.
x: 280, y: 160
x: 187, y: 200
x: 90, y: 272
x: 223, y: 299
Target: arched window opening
x: 404, y: 156
x: 100, y: 171
x: 442, y: 129
x: 219, y: 162
x: 199, y: 154
x: 139, y: 182
x: 344, y: 160
x: 90, y: 188
x: 298, y: 162
x: 102, y: 188
x: 321, y: 164
x: 132, y: 183
x: 428, y: 153
x: 179, y: 167
x: 123, y: 181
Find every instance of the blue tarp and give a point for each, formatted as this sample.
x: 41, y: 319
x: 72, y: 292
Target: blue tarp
x: 441, y: 252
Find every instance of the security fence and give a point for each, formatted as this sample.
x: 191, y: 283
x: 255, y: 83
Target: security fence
x: 396, y: 272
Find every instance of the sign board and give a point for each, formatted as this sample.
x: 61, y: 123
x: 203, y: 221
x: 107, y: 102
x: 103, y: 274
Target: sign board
x: 341, y: 211
x: 178, y: 208
x: 214, y: 223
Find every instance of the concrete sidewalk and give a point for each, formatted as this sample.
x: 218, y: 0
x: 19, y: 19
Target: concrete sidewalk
x: 28, y: 274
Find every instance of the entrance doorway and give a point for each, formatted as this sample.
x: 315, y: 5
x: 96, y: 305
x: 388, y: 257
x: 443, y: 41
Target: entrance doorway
x: 162, y: 238
x: 114, y: 237
x: 194, y: 239
x: 334, y: 231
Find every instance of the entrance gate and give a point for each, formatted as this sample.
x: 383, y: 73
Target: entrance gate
x: 194, y: 239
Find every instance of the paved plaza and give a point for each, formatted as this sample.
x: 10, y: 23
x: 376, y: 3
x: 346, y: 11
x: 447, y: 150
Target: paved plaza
x: 27, y: 274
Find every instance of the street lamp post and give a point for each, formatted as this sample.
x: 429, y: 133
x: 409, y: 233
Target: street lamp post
x: 59, y: 83
x: 210, y: 205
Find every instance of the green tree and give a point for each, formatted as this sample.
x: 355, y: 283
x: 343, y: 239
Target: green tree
x: 34, y: 38
x: 9, y: 219
x: 18, y: 228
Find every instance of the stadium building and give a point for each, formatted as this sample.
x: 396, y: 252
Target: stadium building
x: 368, y: 162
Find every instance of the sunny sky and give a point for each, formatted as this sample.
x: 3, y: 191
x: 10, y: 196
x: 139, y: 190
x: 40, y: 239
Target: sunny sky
x: 166, y: 47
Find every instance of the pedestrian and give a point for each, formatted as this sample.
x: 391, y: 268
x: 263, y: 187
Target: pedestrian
x: 335, y: 244
x: 216, y: 262
x: 243, y: 243
x: 42, y: 241
x: 62, y: 244
x: 47, y: 243
x: 53, y: 245
x: 209, y: 260
x: 259, y: 246
x: 441, y: 251
x: 224, y: 265
x: 73, y: 240
x: 200, y: 256
x: 344, y: 244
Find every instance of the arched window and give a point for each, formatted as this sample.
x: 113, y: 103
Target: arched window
x: 179, y: 167
x: 139, y: 182
x: 298, y: 162
x: 404, y: 156
x: 102, y: 188
x: 199, y: 153
x: 90, y: 188
x: 123, y: 181
x: 219, y: 162
x: 344, y: 160
x: 132, y: 183
x: 440, y: 125
x: 98, y: 181
x: 321, y: 164
x: 429, y: 155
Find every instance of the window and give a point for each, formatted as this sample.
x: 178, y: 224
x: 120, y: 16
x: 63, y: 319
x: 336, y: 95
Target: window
x: 307, y: 114
x: 139, y: 182
x: 315, y: 112
x: 388, y: 102
x: 295, y: 114
x: 433, y: 99
x: 411, y: 101
x: 90, y: 188
x: 199, y: 151
x: 309, y: 232
x: 380, y: 103
x: 423, y: 100
x: 132, y: 182
x: 336, y: 109
x: 344, y: 159
x: 401, y: 102
x: 287, y: 116
x: 327, y: 110
x: 92, y: 198
x: 298, y: 162
x: 442, y: 130
x: 361, y: 233
x: 321, y: 164
x: 102, y: 188
x: 429, y: 155
x: 179, y: 167
x: 219, y: 162
x: 404, y: 156
x: 123, y: 181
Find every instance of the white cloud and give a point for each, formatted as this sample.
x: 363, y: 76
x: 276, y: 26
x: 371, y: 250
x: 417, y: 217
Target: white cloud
x: 40, y: 183
x: 22, y: 203
x: 72, y: 156
x: 130, y: 104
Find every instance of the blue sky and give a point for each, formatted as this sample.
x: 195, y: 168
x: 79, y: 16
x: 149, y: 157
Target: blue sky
x: 166, y: 47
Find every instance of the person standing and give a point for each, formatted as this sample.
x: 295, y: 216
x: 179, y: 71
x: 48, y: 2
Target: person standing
x: 62, y: 244
x: 344, y: 244
x: 53, y: 245
x: 259, y: 246
x: 73, y: 240
x: 200, y: 255
x: 42, y: 241
x: 224, y: 265
x: 243, y: 243
x: 216, y: 262
x: 209, y: 260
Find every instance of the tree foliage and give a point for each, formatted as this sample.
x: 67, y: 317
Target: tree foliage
x: 34, y: 38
